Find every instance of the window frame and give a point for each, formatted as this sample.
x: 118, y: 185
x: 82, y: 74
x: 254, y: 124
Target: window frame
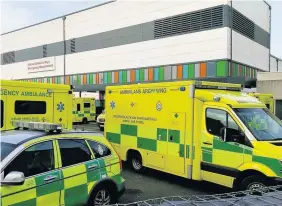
x: 92, y: 157
x: 227, y: 114
x: 29, y: 113
x: 88, y: 140
x: 21, y: 149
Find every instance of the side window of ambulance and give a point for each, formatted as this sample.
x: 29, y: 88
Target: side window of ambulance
x: 74, y: 151
x: 34, y: 160
x: 2, y: 113
x: 78, y: 107
x: 30, y: 107
x: 99, y: 150
x: 86, y: 105
x: 216, y: 119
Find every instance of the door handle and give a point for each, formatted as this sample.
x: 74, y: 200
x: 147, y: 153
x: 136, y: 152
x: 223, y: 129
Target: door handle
x: 49, y: 178
x: 207, y: 143
x: 92, y: 167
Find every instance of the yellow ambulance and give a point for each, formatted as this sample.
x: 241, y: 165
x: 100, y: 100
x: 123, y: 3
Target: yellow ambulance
x: 267, y: 99
x: 197, y: 130
x: 84, y: 109
x: 35, y: 102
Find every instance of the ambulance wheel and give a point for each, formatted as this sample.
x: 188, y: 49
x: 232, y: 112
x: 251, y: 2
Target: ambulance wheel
x: 136, y: 162
x: 254, y: 182
x: 84, y: 120
x: 102, y: 195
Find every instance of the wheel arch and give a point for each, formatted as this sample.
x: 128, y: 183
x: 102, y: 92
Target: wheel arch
x: 130, y: 152
x: 106, y: 181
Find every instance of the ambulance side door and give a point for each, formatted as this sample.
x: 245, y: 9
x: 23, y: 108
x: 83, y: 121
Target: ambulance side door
x: 220, y: 158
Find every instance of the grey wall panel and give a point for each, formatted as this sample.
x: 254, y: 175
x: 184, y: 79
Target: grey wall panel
x: 211, y: 69
x: 148, y: 31
x: 262, y: 37
x: 174, y: 72
x: 197, y: 70
x: 146, y: 74
x: 28, y: 54
x: 55, y: 49
x: 167, y: 74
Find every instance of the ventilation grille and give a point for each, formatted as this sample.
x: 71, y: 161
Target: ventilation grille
x: 72, y: 45
x: 243, y: 25
x: 45, y: 50
x: 189, y: 22
x: 8, y: 57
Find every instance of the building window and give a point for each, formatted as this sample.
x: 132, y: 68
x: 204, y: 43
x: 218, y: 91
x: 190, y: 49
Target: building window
x: 30, y: 107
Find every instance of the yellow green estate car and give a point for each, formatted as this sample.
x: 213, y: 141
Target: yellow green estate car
x: 101, y: 120
x: 67, y: 168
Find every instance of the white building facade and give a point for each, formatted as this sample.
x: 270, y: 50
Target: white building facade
x: 142, y: 41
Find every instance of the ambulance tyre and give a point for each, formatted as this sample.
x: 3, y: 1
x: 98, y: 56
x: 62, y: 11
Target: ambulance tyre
x: 135, y: 159
x: 254, y: 182
x: 104, y: 194
x: 84, y: 120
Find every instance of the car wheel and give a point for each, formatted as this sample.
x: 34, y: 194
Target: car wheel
x: 254, y: 182
x: 102, y: 196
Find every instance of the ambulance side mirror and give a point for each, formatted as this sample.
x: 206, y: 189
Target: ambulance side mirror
x: 14, y: 178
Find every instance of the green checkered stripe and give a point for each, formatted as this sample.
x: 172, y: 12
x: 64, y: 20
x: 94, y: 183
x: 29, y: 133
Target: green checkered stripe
x: 151, y: 143
x: 83, y: 114
x: 207, y: 154
x: 77, y: 195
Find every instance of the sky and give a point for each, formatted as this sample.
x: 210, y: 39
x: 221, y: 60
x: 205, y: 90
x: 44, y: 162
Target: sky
x: 18, y: 14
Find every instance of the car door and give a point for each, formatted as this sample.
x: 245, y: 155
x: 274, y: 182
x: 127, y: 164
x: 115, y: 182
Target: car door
x: 79, y: 169
x: 42, y: 177
x: 220, y: 158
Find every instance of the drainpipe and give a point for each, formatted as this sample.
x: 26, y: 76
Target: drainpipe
x: 64, y: 40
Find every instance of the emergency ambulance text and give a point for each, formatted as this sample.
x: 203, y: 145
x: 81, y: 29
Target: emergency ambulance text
x: 143, y: 91
x: 23, y: 93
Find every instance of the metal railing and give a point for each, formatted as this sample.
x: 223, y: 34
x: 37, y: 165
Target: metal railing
x: 267, y: 196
